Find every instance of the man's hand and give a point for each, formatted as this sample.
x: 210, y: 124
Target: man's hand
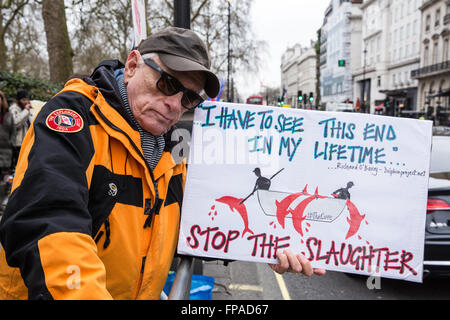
x: 295, y: 263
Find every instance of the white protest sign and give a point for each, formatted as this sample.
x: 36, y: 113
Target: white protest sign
x: 139, y: 22
x: 347, y: 190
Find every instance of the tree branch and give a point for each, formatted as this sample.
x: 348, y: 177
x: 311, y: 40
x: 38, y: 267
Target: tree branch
x: 199, y: 9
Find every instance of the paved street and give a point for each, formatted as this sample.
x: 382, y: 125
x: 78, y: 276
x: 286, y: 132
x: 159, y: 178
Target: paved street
x: 255, y: 281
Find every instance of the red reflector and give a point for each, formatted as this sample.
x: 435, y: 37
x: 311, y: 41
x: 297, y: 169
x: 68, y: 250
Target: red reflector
x: 437, y: 204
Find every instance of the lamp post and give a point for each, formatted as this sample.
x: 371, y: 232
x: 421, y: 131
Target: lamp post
x: 182, y: 13
x: 229, y: 51
x: 364, y: 81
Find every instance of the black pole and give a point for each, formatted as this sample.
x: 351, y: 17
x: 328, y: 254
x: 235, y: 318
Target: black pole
x: 182, y: 13
x: 364, y: 82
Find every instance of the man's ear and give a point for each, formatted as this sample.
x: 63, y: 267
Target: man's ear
x: 131, y: 65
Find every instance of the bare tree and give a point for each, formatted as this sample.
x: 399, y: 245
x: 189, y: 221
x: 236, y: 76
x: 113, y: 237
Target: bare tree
x: 58, y: 43
x: 26, y: 44
x: 9, y: 11
x: 209, y: 18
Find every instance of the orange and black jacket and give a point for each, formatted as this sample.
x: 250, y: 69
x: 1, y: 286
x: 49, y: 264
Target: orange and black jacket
x: 83, y: 221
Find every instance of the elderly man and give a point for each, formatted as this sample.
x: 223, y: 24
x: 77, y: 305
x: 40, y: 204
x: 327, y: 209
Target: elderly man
x: 95, y: 206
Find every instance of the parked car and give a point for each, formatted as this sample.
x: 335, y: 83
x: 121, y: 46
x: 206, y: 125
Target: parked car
x: 437, y: 227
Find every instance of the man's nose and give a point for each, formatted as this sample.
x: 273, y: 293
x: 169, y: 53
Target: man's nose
x: 174, y: 102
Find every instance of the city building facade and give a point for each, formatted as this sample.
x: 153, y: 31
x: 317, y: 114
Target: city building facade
x: 371, y: 75
x: 433, y: 74
x: 403, y: 57
x: 298, y: 74
x: 389, y: 52
x: 339, y: 50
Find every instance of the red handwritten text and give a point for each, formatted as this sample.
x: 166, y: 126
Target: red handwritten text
x: 360, y: 257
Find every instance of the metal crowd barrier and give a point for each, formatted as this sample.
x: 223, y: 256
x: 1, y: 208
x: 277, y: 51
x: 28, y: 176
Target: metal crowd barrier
x: 181, y: 287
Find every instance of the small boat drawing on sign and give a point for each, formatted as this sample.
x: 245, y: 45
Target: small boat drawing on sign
x: 298, y: 206
x: 320, y: 209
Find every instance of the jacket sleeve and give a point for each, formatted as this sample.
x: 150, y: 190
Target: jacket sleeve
x: 46, y: 228
x: 20, y: 116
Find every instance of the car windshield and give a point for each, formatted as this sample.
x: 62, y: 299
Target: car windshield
x: 440, y: 155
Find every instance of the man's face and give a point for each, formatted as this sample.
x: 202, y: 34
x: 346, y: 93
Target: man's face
x: 153, y: 110
x: 23, y: 102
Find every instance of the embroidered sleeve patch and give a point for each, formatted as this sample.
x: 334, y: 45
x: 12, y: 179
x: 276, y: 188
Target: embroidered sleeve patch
x: 64, y: 120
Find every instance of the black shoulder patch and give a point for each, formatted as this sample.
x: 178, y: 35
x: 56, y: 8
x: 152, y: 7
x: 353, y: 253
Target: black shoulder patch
x: 175, y: 191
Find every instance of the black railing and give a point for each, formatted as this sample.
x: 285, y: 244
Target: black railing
x: 443, y: 66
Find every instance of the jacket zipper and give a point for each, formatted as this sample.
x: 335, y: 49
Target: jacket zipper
x: 141, y: 277
x: 141, y: 274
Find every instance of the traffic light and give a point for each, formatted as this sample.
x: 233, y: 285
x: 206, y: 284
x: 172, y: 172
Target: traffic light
x: 341, y: 63
x: 387, y: 103
x: 299, y: 95
x: 311, y: 97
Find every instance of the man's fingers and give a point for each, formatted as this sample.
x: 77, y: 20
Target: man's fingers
x: 307, y: 269
x: 283, y: 264
x: 319, y: 272
x: 294, y: 262
x: 289, y: 262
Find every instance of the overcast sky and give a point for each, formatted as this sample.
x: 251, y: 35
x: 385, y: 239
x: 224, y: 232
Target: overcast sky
x: 281, y: 23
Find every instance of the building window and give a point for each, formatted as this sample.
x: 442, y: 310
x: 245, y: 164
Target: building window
x: 379, y: 81
x: 437, y: 17
x: 435, y: 53
x: 427, y: 23
x: 445, y: 52
x: 426, y: 56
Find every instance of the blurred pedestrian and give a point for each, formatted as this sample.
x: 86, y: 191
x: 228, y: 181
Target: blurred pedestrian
x: 20, y: 111
x: 6, y: 133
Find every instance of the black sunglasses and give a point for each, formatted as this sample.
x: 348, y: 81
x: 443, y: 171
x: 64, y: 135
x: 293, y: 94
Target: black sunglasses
x: 170, y: 86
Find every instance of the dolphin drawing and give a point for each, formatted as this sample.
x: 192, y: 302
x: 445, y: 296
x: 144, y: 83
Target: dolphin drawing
x: 355, y: 219
x: 235, y: 204
x: 283, y: 205
x: 297, y: 214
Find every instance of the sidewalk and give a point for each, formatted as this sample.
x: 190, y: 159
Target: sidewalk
x: 242, y: 281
